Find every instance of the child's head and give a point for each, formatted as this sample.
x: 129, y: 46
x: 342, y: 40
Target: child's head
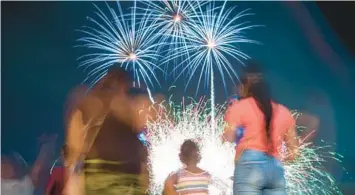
x: 189, y: 152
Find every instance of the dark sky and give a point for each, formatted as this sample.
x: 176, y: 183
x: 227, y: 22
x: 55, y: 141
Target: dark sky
x: 39, y: 66
x: 337, y: 14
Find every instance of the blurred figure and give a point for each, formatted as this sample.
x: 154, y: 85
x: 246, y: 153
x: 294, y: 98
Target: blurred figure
x: 75, y: 96
x: 258, y: 167
x: 15, y: 179
x: 56, y: 180
x: 318, y: 118
x: 309, y: 124
x: 191, y: 179
x: 103, y: 136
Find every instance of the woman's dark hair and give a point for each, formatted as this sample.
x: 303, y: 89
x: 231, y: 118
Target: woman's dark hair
x: 257, y: 88
x: 187, y: 149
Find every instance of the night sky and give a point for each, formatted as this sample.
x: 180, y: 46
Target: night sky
x: 39, y: 66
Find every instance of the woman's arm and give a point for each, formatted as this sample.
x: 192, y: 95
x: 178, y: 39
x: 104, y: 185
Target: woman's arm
x: 229, y: 134
x: 233, y: 120
x: 169, y: 188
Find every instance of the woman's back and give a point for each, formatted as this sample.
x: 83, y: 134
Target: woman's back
x: 247, y: 114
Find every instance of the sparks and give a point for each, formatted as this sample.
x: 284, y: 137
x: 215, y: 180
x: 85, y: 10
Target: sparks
x: 210, y: 40
x: 177, y: 123
x: 114, y: 39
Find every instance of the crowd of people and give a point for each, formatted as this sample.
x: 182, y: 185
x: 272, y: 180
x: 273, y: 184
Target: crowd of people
x: 102, y: 154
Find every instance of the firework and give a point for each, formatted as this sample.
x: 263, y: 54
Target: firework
x: 171, y: 19
x: 212, y: 39
x: 120, y: 39
x: 180, y: 122
x: 306, y: 175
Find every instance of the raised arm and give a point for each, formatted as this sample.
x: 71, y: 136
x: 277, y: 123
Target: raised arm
x: 75, y: 137
x: 75, y: 141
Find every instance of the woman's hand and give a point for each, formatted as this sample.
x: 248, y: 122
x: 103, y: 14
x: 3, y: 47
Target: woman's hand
x: 229, y: 135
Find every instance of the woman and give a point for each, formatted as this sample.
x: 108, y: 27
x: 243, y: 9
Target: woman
x: 102, y: 133
x: 258, y: 169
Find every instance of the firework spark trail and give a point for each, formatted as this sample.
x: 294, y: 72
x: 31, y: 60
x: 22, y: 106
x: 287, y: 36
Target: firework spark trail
x: 210, y: 39
x: 170, y: 19
x: 180, y: 122
x: 114, y: 39
x: 306, y: 175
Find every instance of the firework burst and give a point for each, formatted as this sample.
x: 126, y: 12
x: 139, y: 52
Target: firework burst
x: 211, y: 40
x: 177, y: 123
x: 171, y: 20
x: 120, y: 39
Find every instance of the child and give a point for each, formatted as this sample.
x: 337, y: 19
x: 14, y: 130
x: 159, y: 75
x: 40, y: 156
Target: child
x: 190, y: 179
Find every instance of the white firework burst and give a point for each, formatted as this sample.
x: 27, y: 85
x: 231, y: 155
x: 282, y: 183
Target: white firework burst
x: 115, y: 38
x: 171, y: 19
x: 212, y: 39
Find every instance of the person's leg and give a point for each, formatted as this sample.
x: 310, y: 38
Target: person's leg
x: 276, y: 184
x: 280, y: 191
x: 248, y: 179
